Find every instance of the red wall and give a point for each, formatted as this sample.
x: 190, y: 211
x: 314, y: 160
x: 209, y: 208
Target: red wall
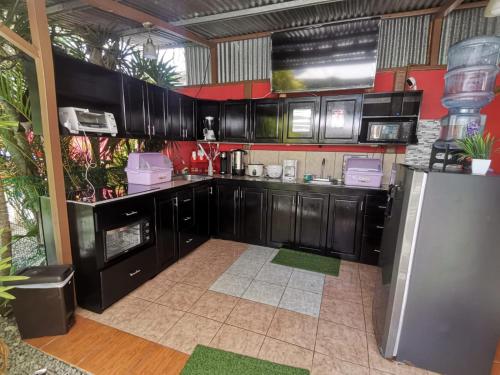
x: 430, y: 81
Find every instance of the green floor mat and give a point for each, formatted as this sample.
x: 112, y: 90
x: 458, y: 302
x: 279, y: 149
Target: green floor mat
x: 209, y: 361
x: 309, y: 262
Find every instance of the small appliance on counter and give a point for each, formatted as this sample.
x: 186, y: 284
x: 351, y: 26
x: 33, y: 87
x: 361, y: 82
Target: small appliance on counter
x: 77, y: 120
x: 255, y: 170
x: 363, y: 172
x: 208, y: 128
x: 225, y: 163
x: 290, y: 170
x: 274, y: 170
x: 148, y: 168
x: 237, y: 163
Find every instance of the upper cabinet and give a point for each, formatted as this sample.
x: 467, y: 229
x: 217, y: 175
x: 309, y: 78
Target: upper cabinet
x: 235, y: 124
x: 207, y: 108
x: 156, y: 119
x: 392, y: 104
x: 301, y: 120
x: 181, y: 116
x: 267, y: 122
x: 134, y: 106
x: 340, y: 118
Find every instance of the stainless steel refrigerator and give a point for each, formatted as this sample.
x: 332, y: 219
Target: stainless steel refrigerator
x: 438, y: 306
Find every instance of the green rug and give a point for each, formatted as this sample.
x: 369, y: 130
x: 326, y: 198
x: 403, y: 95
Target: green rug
x: 209, y: 361
x: 309, y: 262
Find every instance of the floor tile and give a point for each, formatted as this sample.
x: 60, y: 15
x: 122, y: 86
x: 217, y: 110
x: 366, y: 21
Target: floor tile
x: 201, y: 278
x: 153, y: 289
x: 190, y: 331
x: 340, y: 341
x: 301, y: 301
x: 344, y: 312
x: 367, y: 294
x: 245, y: 268
x: 213, y: 305
x: 175, y: 272
x: 124, y: 309
x: 327, y: 365
x: 152, y: 323
x: 368, y: 319
x: 340, y: 290
x: 294, y: 328
x: 260, y: 291
x: 252, y: 316
x: 181, y: 297
x: 258, y: 252
x: 286, y: 354
x: 237, y: 340
x: 275, y: 274
x: 309, y: 281
x: 231, y: 284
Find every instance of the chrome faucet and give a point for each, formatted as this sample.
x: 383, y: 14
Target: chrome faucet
x: 323, y: 162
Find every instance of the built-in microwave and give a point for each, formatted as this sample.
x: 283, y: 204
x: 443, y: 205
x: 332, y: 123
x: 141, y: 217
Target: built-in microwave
x: 389, y: 131
x: 77, y: 120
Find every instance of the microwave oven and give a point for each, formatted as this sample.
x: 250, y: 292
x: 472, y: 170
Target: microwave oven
x: 390, y: 132
x: 77, y: 120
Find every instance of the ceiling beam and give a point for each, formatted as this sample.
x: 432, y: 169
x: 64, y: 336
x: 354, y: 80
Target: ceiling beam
x: 125, y: 11
x: 447, y: 8
x: 17, y: 41
x: 253, y: 11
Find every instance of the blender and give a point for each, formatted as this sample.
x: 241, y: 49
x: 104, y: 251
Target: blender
x: 208, y: 128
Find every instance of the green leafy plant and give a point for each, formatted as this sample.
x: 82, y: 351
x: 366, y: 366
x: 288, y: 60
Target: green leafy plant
x: 5, y: 266
x: 477, y: 146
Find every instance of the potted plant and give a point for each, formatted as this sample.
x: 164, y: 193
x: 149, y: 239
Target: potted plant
x: 478, y: 148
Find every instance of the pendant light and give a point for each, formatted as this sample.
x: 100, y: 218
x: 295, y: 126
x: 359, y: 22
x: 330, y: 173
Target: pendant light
x: 149, y: 50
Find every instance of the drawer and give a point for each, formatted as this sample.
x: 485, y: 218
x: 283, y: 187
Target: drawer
x: 373, y: 226
x: 375, y: 205
x: 188, y: 242
x: 370, y: 250
x: 115, y: 214
x: 186, y: 209
x: 119, y: 280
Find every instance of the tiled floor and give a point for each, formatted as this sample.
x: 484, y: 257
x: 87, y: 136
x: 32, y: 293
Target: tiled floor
x: 229, y: 296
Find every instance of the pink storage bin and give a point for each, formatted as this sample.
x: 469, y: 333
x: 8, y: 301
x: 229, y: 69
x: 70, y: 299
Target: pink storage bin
x: 148, y: 168
x: 363, y: 172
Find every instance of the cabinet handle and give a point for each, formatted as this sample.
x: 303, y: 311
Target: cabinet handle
x: 361, y: 206
x: 154, y: 130
x: 187, y: 218
x: 189, y: 241
x: 210, y: 190
x: 176, y: 202
x: 132, y: 274
x: 379, y: 227
x: 382, y: 207
x: 376, y: 250
x: 186, y: 200
x: 131, y: 213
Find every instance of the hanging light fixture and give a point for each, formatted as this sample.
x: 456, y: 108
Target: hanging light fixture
x: 149, y: 50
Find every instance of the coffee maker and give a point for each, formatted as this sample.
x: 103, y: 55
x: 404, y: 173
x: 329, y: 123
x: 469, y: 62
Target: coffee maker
x: 237, y: 163
x: 208, y: 128
x: 225, y: 163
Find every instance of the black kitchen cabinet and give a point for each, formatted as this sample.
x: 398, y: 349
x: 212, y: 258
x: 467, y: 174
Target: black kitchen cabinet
x: 203, y: 210
x: 340, y: 118
x: 181, y: 116
x: 187, y: 118
x: 227, y: 196
x: 301, y: 120
x: 156, y: 119
x: 373, y: 227
x: 311, y: 222
x: 281, y: 218
x: 188, y: 239
x: 206, y: 108
x: 253, y: 206
x: 167, y: 247
x: 135, y: 111
x: 267, y: 122
x: 345, y: 221
x: 235, y: 126
x: 392, y: 104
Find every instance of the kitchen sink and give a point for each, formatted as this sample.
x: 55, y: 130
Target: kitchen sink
x: 192, y: 177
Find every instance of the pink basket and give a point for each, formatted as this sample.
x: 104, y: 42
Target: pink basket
x: 363, y: 172
x: 148, y: 168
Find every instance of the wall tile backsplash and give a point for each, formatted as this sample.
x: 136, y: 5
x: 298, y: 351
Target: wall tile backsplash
x: 310, y: 161
x: 427, y: 133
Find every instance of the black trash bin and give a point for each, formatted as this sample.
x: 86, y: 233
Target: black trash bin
x: 45, y: 303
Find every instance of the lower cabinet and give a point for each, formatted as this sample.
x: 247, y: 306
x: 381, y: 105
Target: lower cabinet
x: 345, y: 222
x: 373, y: 227
x: 311, y: 222
x: 167, y: 234
x: 281, y: 218
x: 227, y: 196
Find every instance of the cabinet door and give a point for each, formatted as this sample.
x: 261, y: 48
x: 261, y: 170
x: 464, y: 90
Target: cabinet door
x: 345, y: 225
x: 281, y: 218
x: 206, y: 108
x: 340, y: 117
x: 202, y: 210
x: 311, y: 222
x: 411, y: 103
x: 253, y: 215
x: 174, y: 116
x: 266, y: 121
x: 228, y: 211
x: 235, y: 123
x: 383, y: 104
x: 156, y: 111
x: 187, y: 118
x: 134, y: 94
x: 301, y: 117
x: 167, y: 247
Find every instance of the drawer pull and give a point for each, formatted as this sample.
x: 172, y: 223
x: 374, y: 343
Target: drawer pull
x: 189, y: 241
x: 187, y: 218
x: 132, y: 274
x: 379, y: 227
x: 376, y: 250
x: 186, y: 200
x: 382, y: 207
x: 131, y: 213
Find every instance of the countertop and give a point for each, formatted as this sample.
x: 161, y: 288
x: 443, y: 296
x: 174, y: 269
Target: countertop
x: 106, y: 195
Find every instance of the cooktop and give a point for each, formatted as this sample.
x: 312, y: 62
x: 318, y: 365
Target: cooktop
x: 104, y: 193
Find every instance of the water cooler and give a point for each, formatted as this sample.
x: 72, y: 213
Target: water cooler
x: 469, y: 86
